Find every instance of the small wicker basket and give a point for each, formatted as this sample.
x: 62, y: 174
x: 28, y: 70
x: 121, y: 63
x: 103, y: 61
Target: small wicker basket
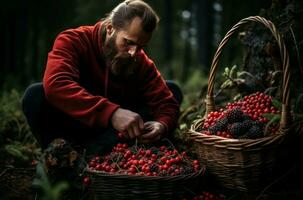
x: 16, y: 182
x: 242, y: 164
x: 120, y: 186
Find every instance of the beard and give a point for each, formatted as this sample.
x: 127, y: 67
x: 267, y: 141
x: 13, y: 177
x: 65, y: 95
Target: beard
x: 121, y: 64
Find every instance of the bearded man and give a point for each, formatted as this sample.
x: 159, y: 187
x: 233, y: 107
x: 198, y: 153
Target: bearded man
x: 98, y: 81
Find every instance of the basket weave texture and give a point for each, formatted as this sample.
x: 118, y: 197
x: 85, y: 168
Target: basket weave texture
x: 248, y: 163
x: 120, y: 186
x: 16, y: 181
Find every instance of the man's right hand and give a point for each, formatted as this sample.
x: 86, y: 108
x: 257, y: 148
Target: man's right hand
x: 127, y: 121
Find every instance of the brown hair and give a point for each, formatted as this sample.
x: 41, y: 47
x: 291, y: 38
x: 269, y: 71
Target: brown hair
x: 125, y: 12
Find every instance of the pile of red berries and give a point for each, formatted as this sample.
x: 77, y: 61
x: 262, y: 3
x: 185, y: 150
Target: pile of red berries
x: 154, y: 161
x: 242, y: 119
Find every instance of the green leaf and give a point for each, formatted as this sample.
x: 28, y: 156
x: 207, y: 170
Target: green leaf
x: 14, y: 151
x: 41, y: 174
x: 241, y: 73
x: 183, y: 126
x: 49, y: 191
x: 226, y: 72
x: 272, y: 116
x: 277, y: 104
x: 237, y: 97
x: 226, y: 84
x: 274, y: 120
x: 58, y: 189
x: 233, y: 72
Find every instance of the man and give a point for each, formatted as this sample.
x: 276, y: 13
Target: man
x: 98, y: 81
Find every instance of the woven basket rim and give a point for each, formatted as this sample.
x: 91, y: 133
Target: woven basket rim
x: 199, y: 136
x: 234, y: 143
x: 139, y: 177
x: 278, y: 133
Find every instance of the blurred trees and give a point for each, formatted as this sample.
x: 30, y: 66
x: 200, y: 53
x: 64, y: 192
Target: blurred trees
x: 186, y: 38
x: 28, y: 30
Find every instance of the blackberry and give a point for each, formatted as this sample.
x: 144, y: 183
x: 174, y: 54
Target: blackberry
x: 223, y: 121
x: 240, y: 128
x: 248, y: 123
x: 245, y: 136
x: 253, y: 133
x: 237, y: 129
x: 215, y: 128
x: 235, y: 115
x: 220, y: 125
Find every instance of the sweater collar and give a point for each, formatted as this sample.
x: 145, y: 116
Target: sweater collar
x: 97, y: 40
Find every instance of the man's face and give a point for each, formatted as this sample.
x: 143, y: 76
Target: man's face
x: 122, y: 47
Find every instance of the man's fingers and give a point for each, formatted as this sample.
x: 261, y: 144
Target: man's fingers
x: 141, y: 124
x: 136, y: 126
x: 149, y: 135
x: 136, y: 130
x: 131, y: 133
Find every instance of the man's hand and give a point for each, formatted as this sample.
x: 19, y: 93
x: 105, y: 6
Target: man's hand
x: 153, y: 131
x: 127, y: 121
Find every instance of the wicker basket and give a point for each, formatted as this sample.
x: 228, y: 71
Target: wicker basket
x: 118, y: 186
x: 242, y: 164
x: 16, y: 182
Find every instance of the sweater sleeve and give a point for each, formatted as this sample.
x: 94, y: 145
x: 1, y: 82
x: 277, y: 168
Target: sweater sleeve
x: 62, y: 88
x: 164, y: 108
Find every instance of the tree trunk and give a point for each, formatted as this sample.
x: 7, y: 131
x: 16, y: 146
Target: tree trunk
x: 205, y: 25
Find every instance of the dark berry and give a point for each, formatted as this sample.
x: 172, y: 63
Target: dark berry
x: 215, y: 128
x: 223, y: 121
x: 237, y: 129
x: 247, y: 123
x: 255, y: 132
x: 234, y: 115
x: 220, y: 125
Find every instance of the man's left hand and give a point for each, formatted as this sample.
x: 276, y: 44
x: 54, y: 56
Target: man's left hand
x: 153, y: 131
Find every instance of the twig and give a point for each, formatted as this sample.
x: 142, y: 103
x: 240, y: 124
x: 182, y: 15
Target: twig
x: 7, y: 168
x: 253, y: 77
x: 3, y: 172
x: 167, y: 140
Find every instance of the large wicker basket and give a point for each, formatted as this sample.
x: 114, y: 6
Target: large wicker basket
x: 120, y: 186
x: 249, y: 163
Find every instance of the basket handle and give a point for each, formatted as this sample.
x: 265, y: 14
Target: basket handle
x: 285, y: 113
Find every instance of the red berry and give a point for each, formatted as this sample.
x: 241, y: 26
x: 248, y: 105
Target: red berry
x: 86, y: 181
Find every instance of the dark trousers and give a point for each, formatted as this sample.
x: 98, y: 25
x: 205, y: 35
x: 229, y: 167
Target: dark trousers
x: 48, y: 123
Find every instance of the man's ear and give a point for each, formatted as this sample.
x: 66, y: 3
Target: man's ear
x: 109, y: 29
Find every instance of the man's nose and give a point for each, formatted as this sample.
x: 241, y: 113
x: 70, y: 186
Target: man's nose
x: 132, y: 50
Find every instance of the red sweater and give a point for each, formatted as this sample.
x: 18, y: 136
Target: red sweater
x: 77, y: 82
